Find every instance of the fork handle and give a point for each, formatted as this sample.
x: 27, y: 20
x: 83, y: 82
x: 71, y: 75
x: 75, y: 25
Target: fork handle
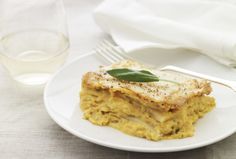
x: 226, y: 83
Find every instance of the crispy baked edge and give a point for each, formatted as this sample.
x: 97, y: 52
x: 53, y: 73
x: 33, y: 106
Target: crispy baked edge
x: 163, y: 106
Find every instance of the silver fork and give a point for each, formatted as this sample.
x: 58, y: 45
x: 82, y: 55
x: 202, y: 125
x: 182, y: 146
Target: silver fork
x: 114, y: 54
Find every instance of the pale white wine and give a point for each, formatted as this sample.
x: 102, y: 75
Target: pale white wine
x: 32, y: 56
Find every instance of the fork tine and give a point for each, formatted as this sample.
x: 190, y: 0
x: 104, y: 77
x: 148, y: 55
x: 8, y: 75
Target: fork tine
x: 104, y: 52
x: 119, y: 52
x: 112, y: 52
x: 113, y: 49
x: 109, y: 53
x: 101, y: 53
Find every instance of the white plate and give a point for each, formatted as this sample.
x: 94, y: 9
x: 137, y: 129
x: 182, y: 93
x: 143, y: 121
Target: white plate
x: 62, y: 103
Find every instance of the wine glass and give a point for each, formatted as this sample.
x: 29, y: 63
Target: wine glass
x: 34, y: 41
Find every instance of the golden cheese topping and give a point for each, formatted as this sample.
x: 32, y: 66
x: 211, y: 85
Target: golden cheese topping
x: 162, y: 94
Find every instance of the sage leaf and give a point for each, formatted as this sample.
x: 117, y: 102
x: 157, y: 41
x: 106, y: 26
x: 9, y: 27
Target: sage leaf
x: 133, y: 75
x: 136, y: 75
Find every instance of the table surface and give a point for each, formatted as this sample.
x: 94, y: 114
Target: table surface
x: 27, y: 131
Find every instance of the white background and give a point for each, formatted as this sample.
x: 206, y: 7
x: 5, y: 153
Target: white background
x: 27, y: 132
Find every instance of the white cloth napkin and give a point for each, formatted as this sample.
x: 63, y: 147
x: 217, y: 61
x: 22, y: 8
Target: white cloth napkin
x: 208, y: 27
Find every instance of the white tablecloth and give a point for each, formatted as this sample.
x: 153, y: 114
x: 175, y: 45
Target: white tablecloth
x: 27, y: 132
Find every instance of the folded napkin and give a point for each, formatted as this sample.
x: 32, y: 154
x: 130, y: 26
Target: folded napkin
x: 208, y: 27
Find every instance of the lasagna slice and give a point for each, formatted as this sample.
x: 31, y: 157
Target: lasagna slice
x: 152, y: 110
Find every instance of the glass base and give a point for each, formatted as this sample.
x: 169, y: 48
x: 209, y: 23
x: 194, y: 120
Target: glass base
x: 33, y: 78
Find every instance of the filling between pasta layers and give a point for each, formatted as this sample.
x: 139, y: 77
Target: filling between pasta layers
x: 152, y: 110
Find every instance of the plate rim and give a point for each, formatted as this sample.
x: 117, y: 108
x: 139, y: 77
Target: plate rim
x: 111, y: 145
